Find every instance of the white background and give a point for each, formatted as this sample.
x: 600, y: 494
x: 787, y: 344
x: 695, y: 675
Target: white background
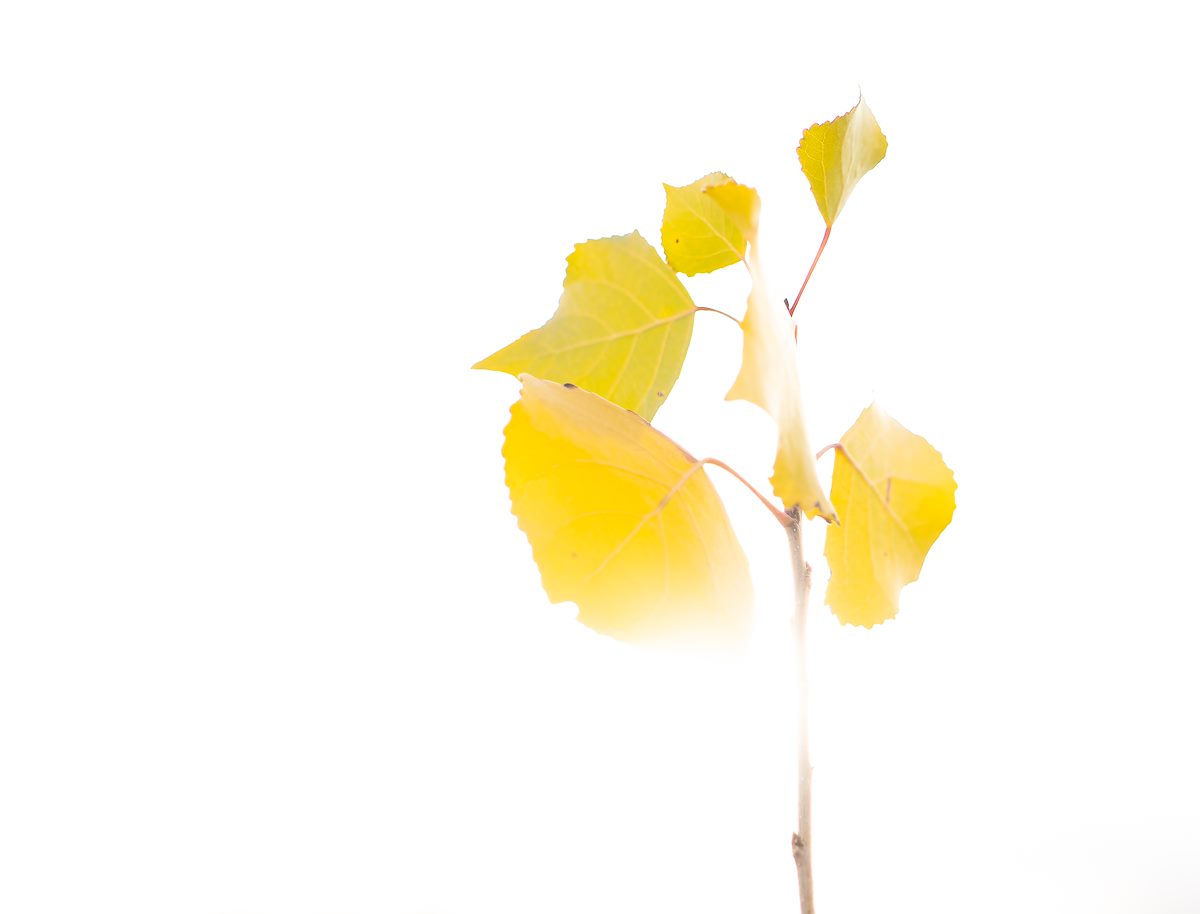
x: 270, y: 640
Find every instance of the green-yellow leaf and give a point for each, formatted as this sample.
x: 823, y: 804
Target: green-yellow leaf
x: 621, y: 330
x: 707, y: 224
x: 894, y: 495
x: 621, y: 519
x: 834, y: 155
x: 770, y: 378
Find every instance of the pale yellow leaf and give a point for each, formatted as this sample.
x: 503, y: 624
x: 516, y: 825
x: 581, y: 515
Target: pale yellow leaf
x: 622, y: 520
x: 834, y: 155
x: 894, y: 495
x: 770, y: 378
x: 707, y: 224
x: 621, y: 330
x: 740, y: 202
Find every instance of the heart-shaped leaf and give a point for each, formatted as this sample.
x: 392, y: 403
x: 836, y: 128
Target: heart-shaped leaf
x: 622, y: 520
x: 621, y: 330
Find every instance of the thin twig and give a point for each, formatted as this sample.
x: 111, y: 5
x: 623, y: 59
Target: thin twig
x: 802, y: 839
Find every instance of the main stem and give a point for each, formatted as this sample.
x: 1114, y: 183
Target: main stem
x: 802, y: 839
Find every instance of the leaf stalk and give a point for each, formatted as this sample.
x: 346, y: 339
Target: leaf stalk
x: 784, y: 518
x: 804, y: 285
x: 720, y: 312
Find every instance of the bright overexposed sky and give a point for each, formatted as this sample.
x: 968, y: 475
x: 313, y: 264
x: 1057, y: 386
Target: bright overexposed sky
x: 270, y: 639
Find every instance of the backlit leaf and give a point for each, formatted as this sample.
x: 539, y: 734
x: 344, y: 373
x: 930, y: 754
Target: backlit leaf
x: 894, y: 495
x: 770, y: 378
x: 621, y: 519
x: 621, y: 330
x: 834, y: 155
x: 707, y: 224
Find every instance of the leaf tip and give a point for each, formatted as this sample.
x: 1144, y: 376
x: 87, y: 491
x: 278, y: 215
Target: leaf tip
x: 489, y: 363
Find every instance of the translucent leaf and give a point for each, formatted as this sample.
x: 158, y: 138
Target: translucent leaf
x: 770, y: 378
x: 622, y: 520
x: 834, y: 155
x: 621, y: 330
x: 894, y: 495
x: 707, y: 224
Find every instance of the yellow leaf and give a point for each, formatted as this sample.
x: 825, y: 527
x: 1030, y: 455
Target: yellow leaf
x: 770, y: 379
x: 895, y: 495
x: 621, y: 519
x: 834, y: 155
x: 621, y: 330
x: 707, y: 224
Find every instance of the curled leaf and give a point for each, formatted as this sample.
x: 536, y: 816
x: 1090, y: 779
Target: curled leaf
x: 834, y: 155
x: 895, y: 495
x: 621, y: 519
x: 770, y: 378
x: 708, y: 223
x: 621, y: 330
